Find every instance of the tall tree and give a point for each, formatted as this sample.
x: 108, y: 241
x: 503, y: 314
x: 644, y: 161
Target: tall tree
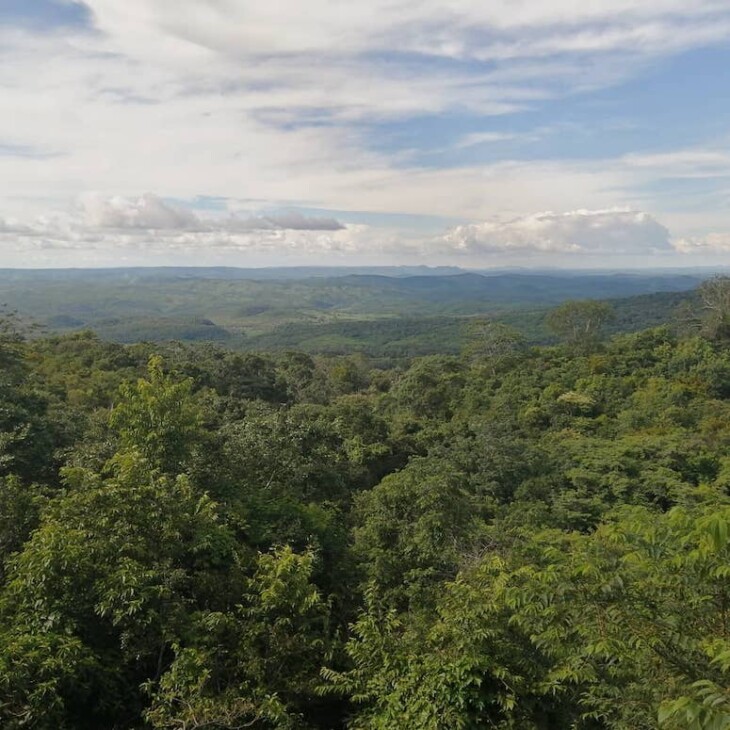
x: 715, y: 306
x: 492, y: 343
x: 580, y: 323
x: 159, y: 417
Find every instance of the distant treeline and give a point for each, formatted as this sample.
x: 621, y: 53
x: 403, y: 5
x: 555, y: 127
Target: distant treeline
x: 382, y: 316
x: 231, y: 298
x: 514, y: 537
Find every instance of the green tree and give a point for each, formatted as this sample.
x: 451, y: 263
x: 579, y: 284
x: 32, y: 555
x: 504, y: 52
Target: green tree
x: 580, y: 323
x: 412, y: 528
x: 255, y: 666
x: 26, y: 436
x: 714, y: 295
x: 133, y: 598
x: 493, y: 343
x: 20, y: 506
x: 116, y: 572
x: 430, y: 388
x: 622, y: 629
x: 160, y: 418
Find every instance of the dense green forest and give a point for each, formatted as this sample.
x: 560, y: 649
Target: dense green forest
x: 509, y: 536
x: 381, y: 312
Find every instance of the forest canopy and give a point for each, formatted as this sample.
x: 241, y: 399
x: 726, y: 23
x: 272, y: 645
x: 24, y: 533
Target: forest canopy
x: 516, y: 536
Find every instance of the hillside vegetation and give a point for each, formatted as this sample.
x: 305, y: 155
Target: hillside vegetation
x: 514, y: 536
x: 386, y: 313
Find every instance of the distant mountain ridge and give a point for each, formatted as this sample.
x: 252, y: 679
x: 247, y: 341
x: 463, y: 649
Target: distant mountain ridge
x: 286, y: 273
x: 513, y: 288
x: 225, y: 272
x: 399, y: 311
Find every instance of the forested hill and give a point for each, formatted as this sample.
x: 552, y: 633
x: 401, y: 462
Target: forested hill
x: 515, y: 537
x: 409, y: 336
x: 409, y: 311
x: 273, y: 273
x: 520, y: 288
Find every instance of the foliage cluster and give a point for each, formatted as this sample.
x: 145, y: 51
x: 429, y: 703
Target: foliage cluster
x: 514, y: 537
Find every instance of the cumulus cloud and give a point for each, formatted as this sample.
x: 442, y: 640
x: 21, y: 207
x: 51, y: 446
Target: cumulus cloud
x: 112, y: 247
x: 148, y: 228
x: 149, y: 212
x: 614, y: 231
x: 116, y: 229
x: 709, y: 243
x: 186, y: 97
x: 11, y: 226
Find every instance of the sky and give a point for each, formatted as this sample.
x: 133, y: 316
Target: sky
x: 530, y: 133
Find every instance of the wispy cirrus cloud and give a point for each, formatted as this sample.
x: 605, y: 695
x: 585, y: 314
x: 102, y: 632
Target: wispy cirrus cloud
x: 287, y: 103
x: 461, y: 28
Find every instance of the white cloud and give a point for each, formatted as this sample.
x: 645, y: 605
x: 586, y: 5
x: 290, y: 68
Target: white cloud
x: 616, y: 231
x: 148, y: 229
x: 478, y: 138
x: 145, y: 213
x: 291, y: 220
x: 12, y: 226
x: 324, y: 27
x: 682, y: 164
x: 712, y: 243
x: 118, y: 229
x: 272, y: 101
x: 149, y: 212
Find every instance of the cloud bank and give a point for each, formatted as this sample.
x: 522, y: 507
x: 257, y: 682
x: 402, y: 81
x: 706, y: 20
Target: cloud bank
x: 308, y: 106
x: 615, y: 231
x: 709, y: 243
x: 149, y: 212
x: 145, y: 213
x: 117, y: 229
x: 102, y: 227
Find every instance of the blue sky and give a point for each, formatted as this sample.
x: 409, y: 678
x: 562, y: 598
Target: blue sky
x: 44, y: 14
x: 229, y: 131
x: 676, y: 102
